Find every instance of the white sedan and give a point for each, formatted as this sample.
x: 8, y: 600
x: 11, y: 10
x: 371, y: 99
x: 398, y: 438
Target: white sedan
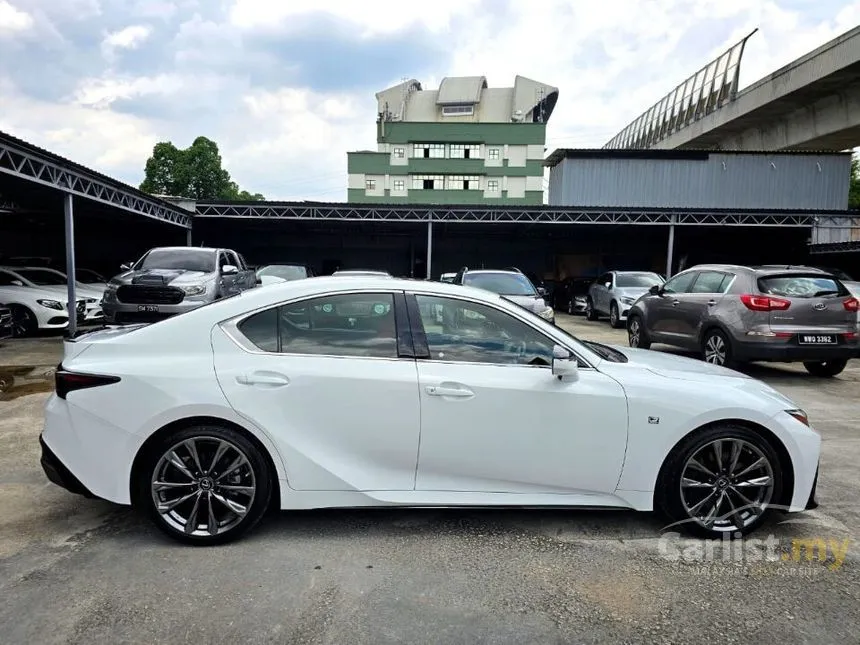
x: 36, y: 307
x: 328, y: 392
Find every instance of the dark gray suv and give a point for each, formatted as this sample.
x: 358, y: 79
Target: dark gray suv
x: 734, y: 314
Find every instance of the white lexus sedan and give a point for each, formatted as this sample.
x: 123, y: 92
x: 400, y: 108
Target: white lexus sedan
x: 327, y: 392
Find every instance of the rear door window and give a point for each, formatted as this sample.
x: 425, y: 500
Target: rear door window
x: 711, y: 282
x: 801, y: 286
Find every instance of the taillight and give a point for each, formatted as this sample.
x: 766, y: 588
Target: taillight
x: 65, y: 381
x: 764, y: 303
x: 851, y: 304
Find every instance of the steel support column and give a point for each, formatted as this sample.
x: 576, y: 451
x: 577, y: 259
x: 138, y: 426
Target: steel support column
x: 670, y: 250
x: 188, y: 237
x: 429, y: 246
x: 68, y: 208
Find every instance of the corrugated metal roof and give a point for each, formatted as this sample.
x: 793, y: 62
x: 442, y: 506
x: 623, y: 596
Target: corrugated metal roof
x: 682, y: 154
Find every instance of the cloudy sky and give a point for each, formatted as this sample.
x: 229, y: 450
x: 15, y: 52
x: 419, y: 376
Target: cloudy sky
x: 285, y: 87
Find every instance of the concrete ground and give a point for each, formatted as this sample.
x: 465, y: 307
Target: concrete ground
x: 74, y: 570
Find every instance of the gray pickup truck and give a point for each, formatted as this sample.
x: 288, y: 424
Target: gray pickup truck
x: 171, y: 280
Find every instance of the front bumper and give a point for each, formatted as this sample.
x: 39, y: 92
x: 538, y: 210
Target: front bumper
x: 124, y: 313
x: 56, y: 471
x: 786, y: 351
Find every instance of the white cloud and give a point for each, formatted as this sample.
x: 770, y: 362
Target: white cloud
x: 12, y: 19
x: 372, y: 16
x: 99, y: 93
x: 130, y: 37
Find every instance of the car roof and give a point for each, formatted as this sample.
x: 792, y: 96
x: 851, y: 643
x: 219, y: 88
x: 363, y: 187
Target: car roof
x: 493, y: 271
x: 762, y: 269
x: 210, y: 249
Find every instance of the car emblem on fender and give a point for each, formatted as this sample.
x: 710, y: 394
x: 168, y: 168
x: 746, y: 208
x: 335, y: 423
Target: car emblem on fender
x: 819, y: 306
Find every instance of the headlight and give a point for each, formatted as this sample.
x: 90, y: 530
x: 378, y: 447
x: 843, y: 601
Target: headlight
x: 194, y: 289
x: 51, y: 304
x: 547, y: 314
x: 627, y: 300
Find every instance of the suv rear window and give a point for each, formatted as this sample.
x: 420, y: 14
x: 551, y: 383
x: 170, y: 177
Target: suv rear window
x: 801, y: 286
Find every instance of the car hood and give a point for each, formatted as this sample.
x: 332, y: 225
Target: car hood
x: 631, y: 292
x: 80, y: 292
x: 162, y: 277
x: 532, y: 303
x: 42, y: 293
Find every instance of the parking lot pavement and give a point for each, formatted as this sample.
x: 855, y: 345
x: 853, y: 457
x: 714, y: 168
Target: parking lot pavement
x: 74, y: 570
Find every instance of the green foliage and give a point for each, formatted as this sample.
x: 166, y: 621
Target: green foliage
x: 854, y: 190
x: 194, y: 172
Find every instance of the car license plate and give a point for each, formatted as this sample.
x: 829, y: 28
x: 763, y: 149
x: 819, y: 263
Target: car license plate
x: 148, y: 308
x: 816, y: 339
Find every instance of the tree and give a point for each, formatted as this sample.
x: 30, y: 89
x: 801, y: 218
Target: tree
x: 194, y: 172
x: 854, y: 190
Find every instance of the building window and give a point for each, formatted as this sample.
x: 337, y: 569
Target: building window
x: 458, y: 110
x: 370, y: 184
x: 493, y: 185
x: 428, y: 150
x: 399, y: 153
x: 399, y: 184
x: 493, y: 153
x: 428, y: 182
x: 463, y: 182
x: 465, y: 151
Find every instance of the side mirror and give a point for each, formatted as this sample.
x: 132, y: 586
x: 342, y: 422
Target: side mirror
x: 655, y: 290
x: 125, y: 267
x: 17, y: 283
x: 564, y: 364
x: 541, y: 291
x: 259, y: 280
x: 608, y: 285
x: 229, y: 269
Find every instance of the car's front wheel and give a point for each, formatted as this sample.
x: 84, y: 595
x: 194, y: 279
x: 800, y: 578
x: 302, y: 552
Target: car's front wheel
x: 24, y: 322
x: 637, y: 335
x: 825, y: 369
x: 614, y: 317
x: 590, y: 311
x: 720, y: 481
x: 205, y: 485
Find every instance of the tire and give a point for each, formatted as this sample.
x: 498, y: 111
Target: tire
x: 717, y: 349
x: 825, y: 369
x: 570, y: 307
x: 590, y: 311
x: 614, y: 317
x: 637, y: 335
x: 24, y: 322
x: 205, y: 485
x: 741, y: 509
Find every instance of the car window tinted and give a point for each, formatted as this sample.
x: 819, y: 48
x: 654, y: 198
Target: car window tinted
x: 189, y: 259
x: 7, y: 279
x: 801, y: 286
x: 645, y: 280
x: 711, y: 282
x: 458, y: 330
x: 505, y: 284
x: 42, y: 278
x: 284, y: 271
x: 360, y: 325
x: 680, y: 283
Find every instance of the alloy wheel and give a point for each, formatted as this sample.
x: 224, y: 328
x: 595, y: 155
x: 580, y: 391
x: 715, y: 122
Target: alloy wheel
x: 22, y: 322
x: 634, y: 332
x: 613, y: 316
x: 715, y: 350
x: 726, y: 484
x: 203, y: 486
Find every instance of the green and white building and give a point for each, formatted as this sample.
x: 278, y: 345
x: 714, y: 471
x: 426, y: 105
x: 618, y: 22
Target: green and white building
x: 465, y: 143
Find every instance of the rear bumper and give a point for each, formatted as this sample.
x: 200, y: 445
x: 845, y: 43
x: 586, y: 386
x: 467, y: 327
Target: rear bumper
x: 56, y: 471
x: 785, y: 352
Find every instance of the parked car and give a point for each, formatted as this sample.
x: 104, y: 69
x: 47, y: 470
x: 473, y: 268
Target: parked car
x: 35, y: 308
x: 509, y: 283
x: 5, y: 322
x: 362, y: 272
x: 91, y: 278
x: 735, y: 314
x: 282, y: 396
x: 172, y: 280
x: 571, y: 295
x: 447, y: 277
x: 614, y: 292
x: 283, y: 272
x: 57, y: 282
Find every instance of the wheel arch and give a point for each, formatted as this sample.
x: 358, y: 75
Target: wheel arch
x: 713, y: 323
x: 147, y: 447
x: 785, y: 463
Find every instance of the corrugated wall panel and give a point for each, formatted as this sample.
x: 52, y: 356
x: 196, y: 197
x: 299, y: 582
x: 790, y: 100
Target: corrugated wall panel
x: 724, y: 180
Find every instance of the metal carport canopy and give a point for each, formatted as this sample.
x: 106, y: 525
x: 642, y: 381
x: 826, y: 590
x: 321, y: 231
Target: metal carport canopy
x: 34, y: 166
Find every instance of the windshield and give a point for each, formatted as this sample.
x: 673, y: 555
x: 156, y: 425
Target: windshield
x: 88, y: 277
x: 42, y: 278
x: 800, y: 286
x: 504, y: 284
x: 184, y: 259
x: 284, y: 271
x: 643, y: 280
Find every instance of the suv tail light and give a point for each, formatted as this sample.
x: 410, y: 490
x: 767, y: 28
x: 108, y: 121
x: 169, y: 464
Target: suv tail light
x: 764, y: 303
x: 851, y: 304
x: 65, y: 381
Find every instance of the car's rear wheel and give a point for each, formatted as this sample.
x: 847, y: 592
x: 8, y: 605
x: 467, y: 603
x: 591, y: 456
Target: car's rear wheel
x: 720, y: 481
x: 717, y: 349
x: 825, y: 369
x: 614, y: 317
x: 206, y: 485
x: 637, y: 335
x: 590, y: 311
x: 24, y: 321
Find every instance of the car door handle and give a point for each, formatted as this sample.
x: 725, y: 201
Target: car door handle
x: 265, y: 379
x: 456, y: 392
x: 675, y: 303
x: 712, y: 303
